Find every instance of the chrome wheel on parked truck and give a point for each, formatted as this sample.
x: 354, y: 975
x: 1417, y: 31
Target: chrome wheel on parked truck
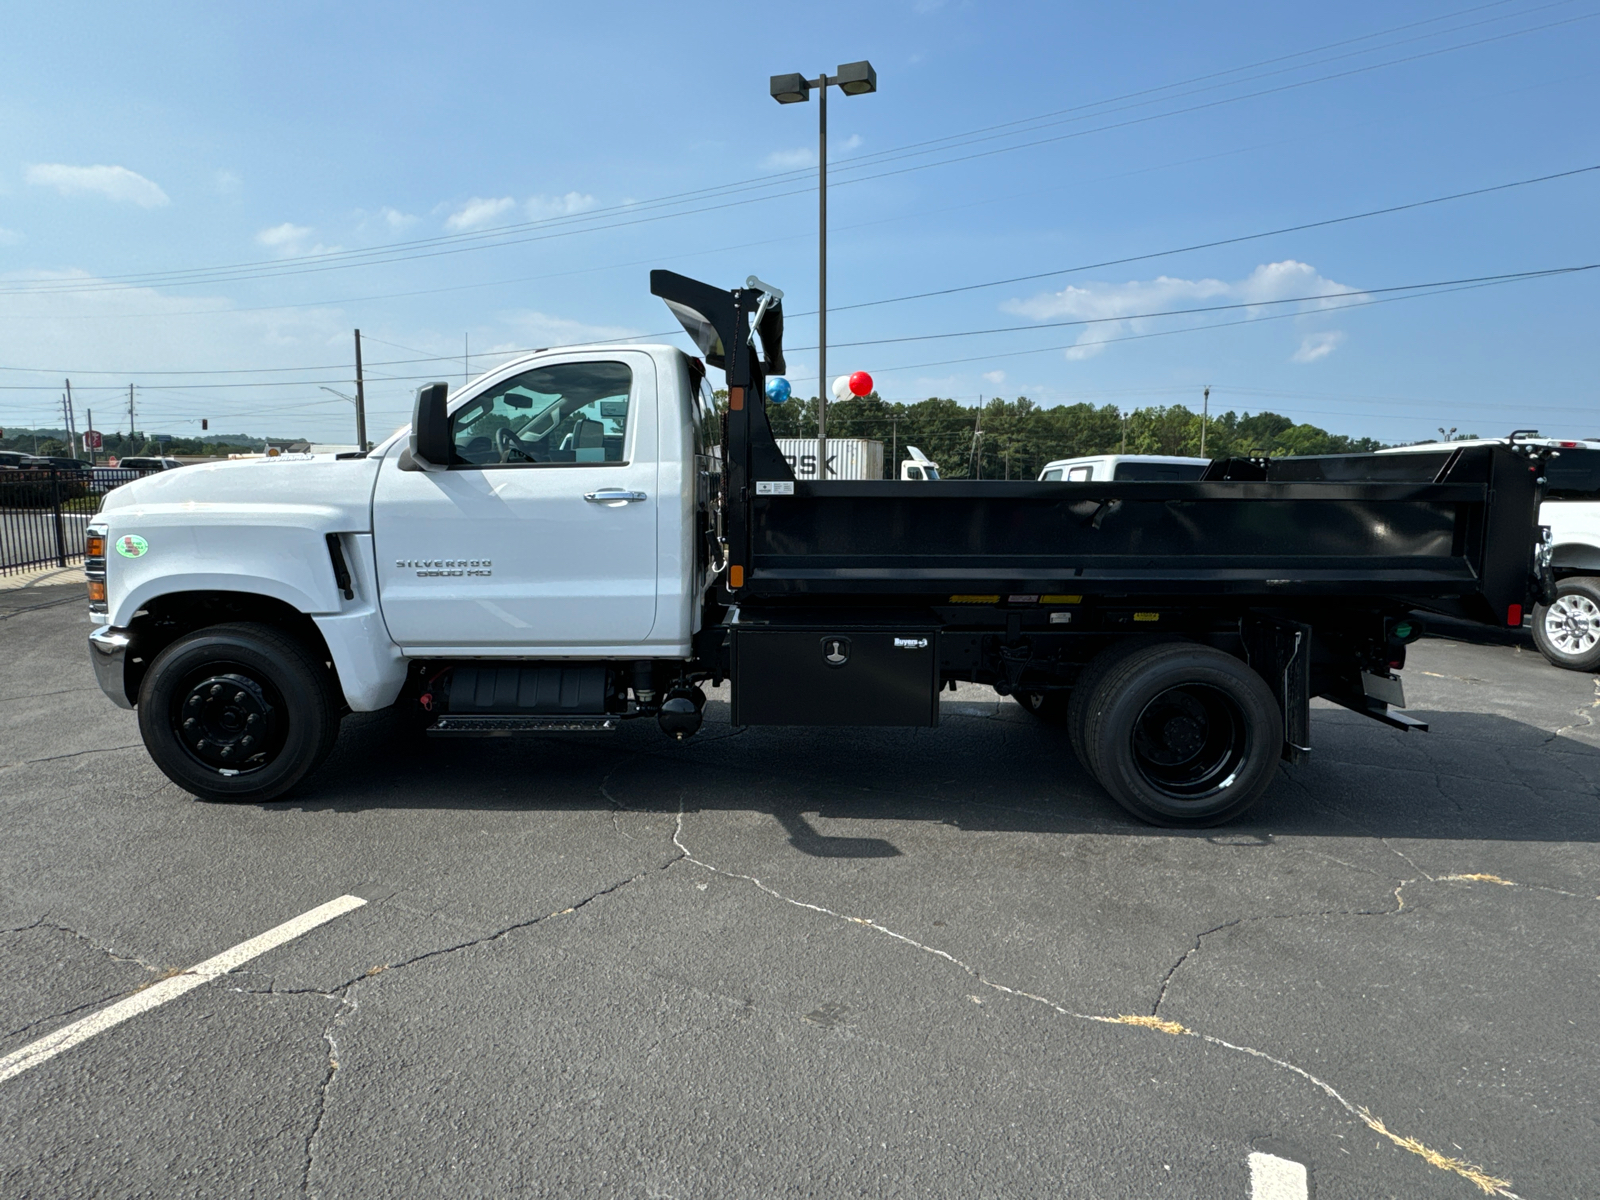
x: 1567, y: 631
x: 237, y: 712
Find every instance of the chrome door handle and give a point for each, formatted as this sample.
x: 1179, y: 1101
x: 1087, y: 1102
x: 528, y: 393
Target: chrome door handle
x: 614, y: 497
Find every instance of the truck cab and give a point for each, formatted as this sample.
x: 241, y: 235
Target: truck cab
x: 1133, y: 467
x: 919, y: 468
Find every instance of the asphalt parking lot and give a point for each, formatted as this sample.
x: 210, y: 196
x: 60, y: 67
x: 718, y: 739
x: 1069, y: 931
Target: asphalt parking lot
x: 772, y: 963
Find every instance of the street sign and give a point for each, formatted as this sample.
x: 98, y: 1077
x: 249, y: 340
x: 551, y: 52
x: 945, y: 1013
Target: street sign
x: 92, y: 439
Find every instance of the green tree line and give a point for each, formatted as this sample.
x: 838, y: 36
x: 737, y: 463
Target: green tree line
x: 1018, y: 437
x: 53, y: 443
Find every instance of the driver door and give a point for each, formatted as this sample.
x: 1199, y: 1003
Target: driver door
x: 542, y: 531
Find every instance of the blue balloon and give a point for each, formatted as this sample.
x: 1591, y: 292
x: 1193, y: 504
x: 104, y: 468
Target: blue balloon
x: 777, y: 390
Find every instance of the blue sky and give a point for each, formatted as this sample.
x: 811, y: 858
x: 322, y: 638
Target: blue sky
x: 1006, y: 140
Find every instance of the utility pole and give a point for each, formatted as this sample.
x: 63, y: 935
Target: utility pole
x: 894, y: 448
x: 361, y: 401
x: 1205, y: 413
x: 89, y: 428
x: 72, y: 432
x: 977, y: 442
x: 1124, y: 449
x: 131, y: 449
x: 1008, y: 462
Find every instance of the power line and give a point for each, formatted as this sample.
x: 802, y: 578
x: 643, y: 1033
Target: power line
x: 1230, y: 241
x: 1235, y: 240
x: 1182, y: 329
x: 1177, y: 312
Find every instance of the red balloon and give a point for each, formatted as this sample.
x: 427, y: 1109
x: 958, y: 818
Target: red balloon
x: 860, y: 383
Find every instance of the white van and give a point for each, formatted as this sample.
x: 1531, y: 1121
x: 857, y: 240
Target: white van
x: 1131, y: 467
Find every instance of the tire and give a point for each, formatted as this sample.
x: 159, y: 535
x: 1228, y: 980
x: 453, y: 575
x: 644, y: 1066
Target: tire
x: 1083, y: 692
x: 1050, y: 707
x: 1182, y: 735
x: 237, y: 712
x: 1567, y: 631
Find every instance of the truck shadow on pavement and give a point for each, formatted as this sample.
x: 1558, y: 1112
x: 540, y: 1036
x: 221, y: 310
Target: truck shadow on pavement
x: 988, y: 767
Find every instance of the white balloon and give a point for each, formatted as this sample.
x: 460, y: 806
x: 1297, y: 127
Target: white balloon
x: 841, y: 388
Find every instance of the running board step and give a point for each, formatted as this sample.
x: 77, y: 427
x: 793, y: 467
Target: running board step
x: 505, y: 725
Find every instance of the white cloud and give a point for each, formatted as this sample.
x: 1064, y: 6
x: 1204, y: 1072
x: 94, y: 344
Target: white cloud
x: 795, y: 160
x: 289, y: 241
x: 115, y: 183
x: 478, y: 212
x: 9, y: 237
x: 1113, y: 305
x: 395, y: 219
x: 542, y: 329
x: 283, y: 236
x: 540, y: 207
x: 995, y: 377
x: 789, y: 160
x: 1317, y: 345
x: 226, y: 183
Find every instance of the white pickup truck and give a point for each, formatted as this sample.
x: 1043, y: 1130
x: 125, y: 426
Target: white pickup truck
x: 1567, y: 627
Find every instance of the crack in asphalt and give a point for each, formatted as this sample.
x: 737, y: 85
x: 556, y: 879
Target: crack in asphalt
x: 1488, y: 1184
x: 76, y: 1008
x: 1586, y: 714
x: 27, y: 762
x: 46, y: 923
x: 347, y: 1005
x: 344, y: 995
x: 1155, y: 1009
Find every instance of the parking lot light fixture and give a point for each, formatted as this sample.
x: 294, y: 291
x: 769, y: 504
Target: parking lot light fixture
x: 853, y: 79
x: 791, y: 89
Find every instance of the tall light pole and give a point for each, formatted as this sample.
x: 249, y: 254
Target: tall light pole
x: 853, y: 79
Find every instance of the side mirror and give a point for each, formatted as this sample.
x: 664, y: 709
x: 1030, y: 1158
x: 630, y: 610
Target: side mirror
x: 430, y: 426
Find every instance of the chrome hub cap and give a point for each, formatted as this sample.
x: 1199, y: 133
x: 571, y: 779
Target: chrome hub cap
x: 1572, y: 624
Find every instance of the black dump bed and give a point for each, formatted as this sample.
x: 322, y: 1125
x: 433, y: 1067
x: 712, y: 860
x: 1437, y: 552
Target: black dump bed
x: 1450, y: 530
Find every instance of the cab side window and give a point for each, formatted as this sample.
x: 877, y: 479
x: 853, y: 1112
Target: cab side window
x: 1080, y: 474
x: 1052, y: 476
x: 563, y: 413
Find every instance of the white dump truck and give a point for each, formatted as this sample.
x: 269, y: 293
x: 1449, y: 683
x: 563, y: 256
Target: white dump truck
x: 580, y: 538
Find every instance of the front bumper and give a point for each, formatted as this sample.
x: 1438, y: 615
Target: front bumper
x: 108, y: 649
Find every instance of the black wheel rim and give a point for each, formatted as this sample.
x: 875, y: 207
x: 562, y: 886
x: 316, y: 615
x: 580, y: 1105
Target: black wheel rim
x: 1189, y: 742
x: 228, y: 719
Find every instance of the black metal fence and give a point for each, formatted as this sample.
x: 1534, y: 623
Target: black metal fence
x: 44, y: 512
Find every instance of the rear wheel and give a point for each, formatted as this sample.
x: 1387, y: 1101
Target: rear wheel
x: 1182, y: 734
x: 1567, y: 630
x: 237, y: 712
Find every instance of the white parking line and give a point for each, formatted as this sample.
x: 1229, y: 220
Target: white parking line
x: 157, y: 994
x: 1274, y: 1178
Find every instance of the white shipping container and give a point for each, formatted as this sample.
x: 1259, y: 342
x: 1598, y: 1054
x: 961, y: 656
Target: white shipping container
x: 848, y: 458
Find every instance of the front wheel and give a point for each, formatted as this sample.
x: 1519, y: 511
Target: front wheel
x: 1182, y: 734
x: 237, y: 712
x: 1567, y: 630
